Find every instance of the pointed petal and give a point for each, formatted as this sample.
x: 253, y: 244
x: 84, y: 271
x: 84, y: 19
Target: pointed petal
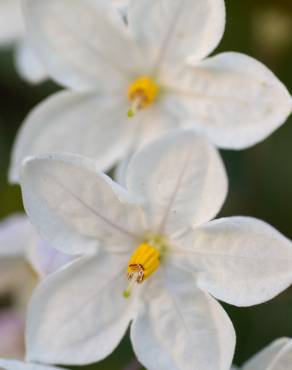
x: 19, y: 365
x: 90, y: 125
x: 182, y: 328
x: 28, y: 64
x: 82, y: 307
x: 182, y: 180
x: 171, y: 30
x: 277, y: 356
x: 75, y: 208
x: 232, y: 98
x: 240, y: 260
x: 82, y: 44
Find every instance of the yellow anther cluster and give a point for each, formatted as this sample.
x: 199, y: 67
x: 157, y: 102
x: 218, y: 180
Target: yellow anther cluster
x: 143, y: 263
x: 142, y: 92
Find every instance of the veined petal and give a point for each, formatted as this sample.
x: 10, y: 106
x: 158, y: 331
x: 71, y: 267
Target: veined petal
x: 90, y: 125
x: 19, y: 365
x: 74, y: 207
x: 83, y: 309
x: 11, y: 22
x: 182, y: 328
x: 240, y: 260
x: 181, y: 179
x: 28, y: 64
x: 82, y: 44
x: 171, y: 30
x: 277, y: 356
x: 232, y: 98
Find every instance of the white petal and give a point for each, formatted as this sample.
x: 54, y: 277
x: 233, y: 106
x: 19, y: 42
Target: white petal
x: 182, y: 328
x: 277, y: 356
x: 28, y: 64
x: 45, y: 259
x: 241, y: 260
x: 154, y: 122
x: 171, y: 30
x: 122, y: 7
x: 74, y: 207
x: 90, y: 125
x: 11, y: 23
x: 232, y: 98
x: 79, y: 315
x: 182, y: 180
x: 19, y: 240
x: 16, y: 234
x: 82, y: 44
x: 19, y: 365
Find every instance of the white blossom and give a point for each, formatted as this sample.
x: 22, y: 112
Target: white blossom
x: 154, y: 69
x: 277, y: 356
x: 158, y: 231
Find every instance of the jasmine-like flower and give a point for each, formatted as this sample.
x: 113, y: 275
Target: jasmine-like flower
x: 130, y: 84
x: 277, y: 356
x: 12, y: 32
x: 158, y: 259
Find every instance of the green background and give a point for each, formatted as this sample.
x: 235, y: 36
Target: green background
x: 260, y: 177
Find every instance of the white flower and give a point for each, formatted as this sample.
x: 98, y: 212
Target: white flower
x: 24, y: 259
x: 158, y: 231
x: 12, y: 32
x: 277, y: 356
x: 18, y: 365
x: 155, y: 68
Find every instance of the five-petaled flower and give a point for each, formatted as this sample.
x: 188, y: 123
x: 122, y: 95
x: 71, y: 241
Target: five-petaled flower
x: 129, y: 84
x: 277, y: 356
x: 151, y: 257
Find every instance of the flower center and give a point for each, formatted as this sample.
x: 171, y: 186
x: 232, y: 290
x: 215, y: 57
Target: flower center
x: 141, y: 93
x: 142, y: 264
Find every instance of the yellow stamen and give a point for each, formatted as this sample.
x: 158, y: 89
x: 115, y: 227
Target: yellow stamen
x: 143, y: 263
x: 141, y: 93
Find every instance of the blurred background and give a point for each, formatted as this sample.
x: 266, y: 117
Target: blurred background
x: 260, y: 178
